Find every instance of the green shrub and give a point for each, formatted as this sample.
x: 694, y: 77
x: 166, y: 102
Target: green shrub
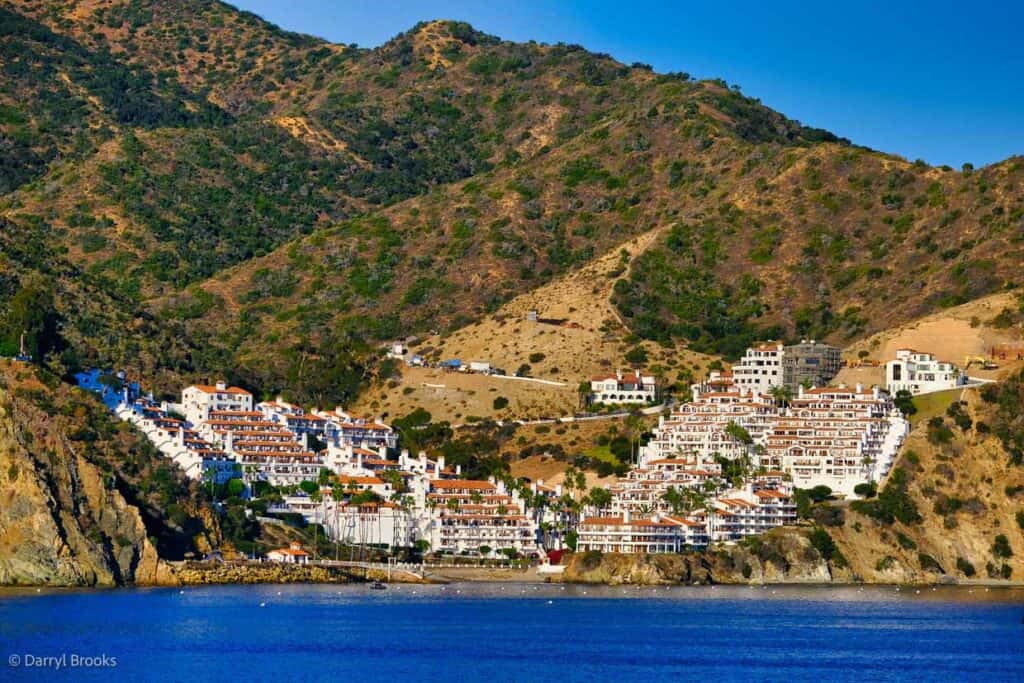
x: 824, y: 544
x: 893, y: 503
x: 906, y: 542
x: 1001, y: 547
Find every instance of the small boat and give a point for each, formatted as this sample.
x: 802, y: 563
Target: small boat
x: 378, y: 586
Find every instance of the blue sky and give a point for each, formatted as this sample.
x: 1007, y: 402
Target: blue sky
x: 940, y: 81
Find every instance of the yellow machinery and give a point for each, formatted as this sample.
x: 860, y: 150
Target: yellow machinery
x: 985, y: 363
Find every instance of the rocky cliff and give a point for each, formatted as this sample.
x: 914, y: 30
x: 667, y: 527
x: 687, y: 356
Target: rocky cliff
x: 84, y: 501
x: 786, y: 555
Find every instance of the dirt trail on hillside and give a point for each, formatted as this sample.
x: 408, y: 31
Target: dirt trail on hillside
x: 578, y: 334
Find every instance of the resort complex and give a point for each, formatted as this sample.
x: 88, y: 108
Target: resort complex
x: 722, y: 465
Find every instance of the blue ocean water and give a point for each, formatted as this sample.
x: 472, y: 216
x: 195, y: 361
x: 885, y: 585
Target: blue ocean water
x: 516, y: 632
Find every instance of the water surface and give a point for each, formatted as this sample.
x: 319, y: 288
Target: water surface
x: 514, y: 632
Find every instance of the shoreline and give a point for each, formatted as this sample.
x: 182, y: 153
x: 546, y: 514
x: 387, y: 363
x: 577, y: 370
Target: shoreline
x: 266, y: 574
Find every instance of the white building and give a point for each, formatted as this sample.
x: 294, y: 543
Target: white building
x: 379, y: 523
x: 648, y: 534
x: 700, y: 427
x: 464, y: 515
x: 809, y: 363
x: 293, y: 554
x: 836, y: 436
x: 199, y: 400
x: 760, y: 369
x: 633, y: 387
x: 921, y: 373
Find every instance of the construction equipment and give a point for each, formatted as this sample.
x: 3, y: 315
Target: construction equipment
x: 985, y: 363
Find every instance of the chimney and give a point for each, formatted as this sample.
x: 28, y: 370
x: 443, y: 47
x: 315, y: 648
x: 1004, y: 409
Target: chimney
x: 800, y: 391
x: 423, y: 460
x: 440, y: 464
x: 458, y: 470
x: 221, y: 386
x: 860, y: 388
x: 359, y: 460
x: 403, y: 458
x: 558, y: 491
x: 627, y: 516
x: 382, y: 452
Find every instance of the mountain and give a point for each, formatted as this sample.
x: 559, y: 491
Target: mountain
x: 205, y: 194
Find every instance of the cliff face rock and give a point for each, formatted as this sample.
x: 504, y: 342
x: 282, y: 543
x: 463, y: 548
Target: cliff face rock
x: 967, y: 491
x: 65, y: 471
x: 781, y: 556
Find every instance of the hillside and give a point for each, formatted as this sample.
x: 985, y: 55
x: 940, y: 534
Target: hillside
x: 85, y: 501
x: 206, y: 194
x: 578, y: 334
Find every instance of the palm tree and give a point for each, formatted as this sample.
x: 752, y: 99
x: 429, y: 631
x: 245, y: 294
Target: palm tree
x: 634, y: 427
x: 584, y: 390
x: 782, y: 395
x: 581, y: 481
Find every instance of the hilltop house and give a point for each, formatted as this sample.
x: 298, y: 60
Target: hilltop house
x: 623, y: 388
x: 921, y: 373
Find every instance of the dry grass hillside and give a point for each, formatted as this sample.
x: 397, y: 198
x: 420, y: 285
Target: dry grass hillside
x: 426, y: 185
x: 578, y: 334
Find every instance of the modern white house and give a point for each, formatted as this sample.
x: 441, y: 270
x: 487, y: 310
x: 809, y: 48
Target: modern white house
x: 921, y: 373
x: 760, y: 369
x: 633, y: 387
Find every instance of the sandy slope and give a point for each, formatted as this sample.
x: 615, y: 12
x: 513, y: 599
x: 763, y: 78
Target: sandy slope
x: 590, y: 340
x: 951, y: 335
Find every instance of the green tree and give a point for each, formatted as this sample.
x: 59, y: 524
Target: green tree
x: 904, y: 400
x: 31, y: 312
x: 600, y: 498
